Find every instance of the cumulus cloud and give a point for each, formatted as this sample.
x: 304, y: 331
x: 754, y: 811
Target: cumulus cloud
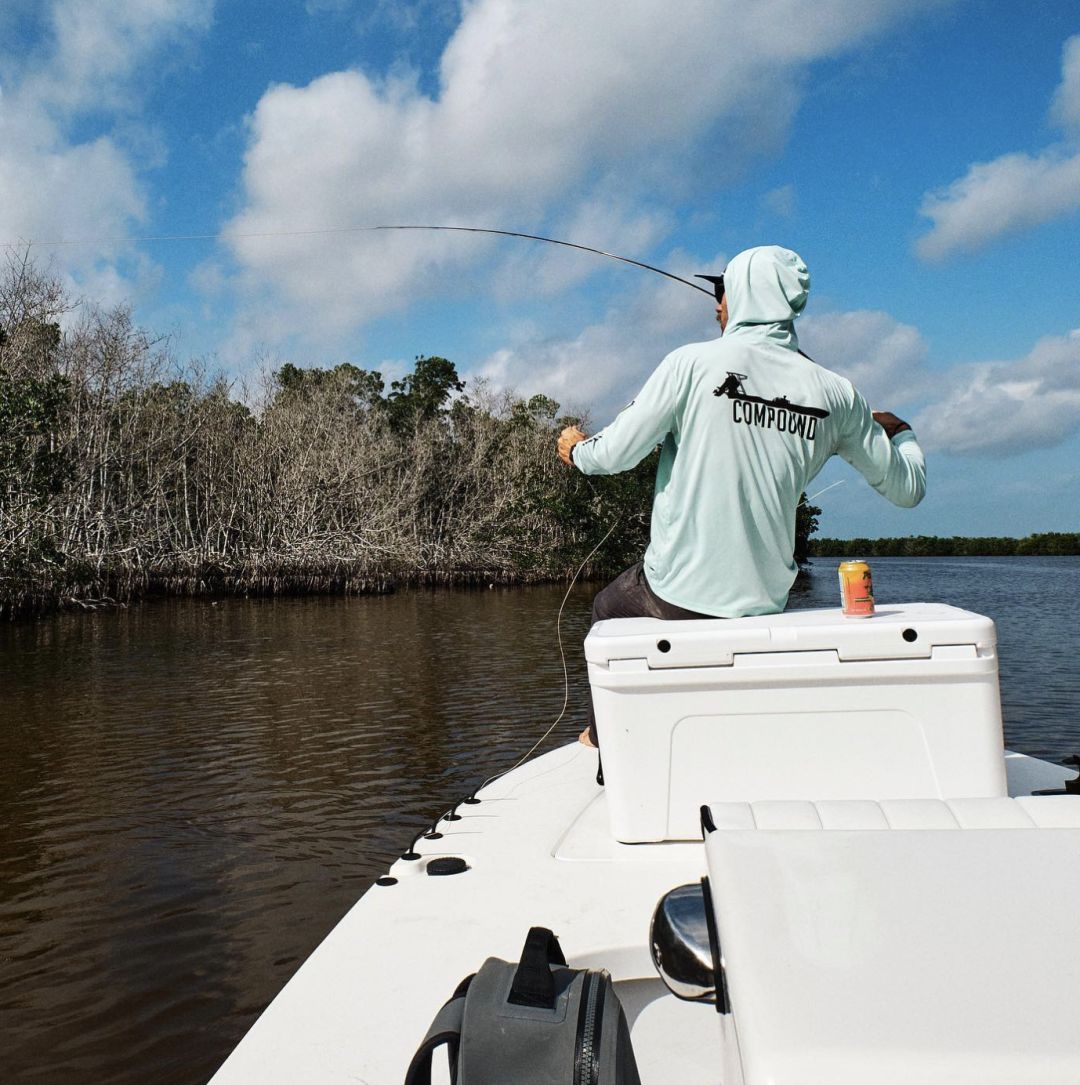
x: 54, y: 185
x: 1065, y: 109
x: 1003, y: 408
x: 883, y: 358
x: 780, y: 201
x: 96, y: 46
x: 604, y: 365
x: 1014, y: 192
x: 550, y: 270
x: 543, y: 111
x: 985, y: 409
x: 51, y: 188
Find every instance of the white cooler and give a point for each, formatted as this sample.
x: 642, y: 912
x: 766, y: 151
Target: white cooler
x: 804, y: 705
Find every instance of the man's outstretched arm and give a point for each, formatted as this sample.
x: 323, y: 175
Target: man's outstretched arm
x: 890, y: 423
x: 637, y: 430
x: 883, y: 449
x: 567, y: 439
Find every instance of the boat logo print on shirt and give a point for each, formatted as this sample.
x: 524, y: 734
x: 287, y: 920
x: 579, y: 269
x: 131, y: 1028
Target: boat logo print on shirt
x: 778, y: 413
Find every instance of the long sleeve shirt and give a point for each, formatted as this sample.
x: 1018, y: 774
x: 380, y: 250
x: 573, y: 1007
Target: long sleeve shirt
x: 745, y: 422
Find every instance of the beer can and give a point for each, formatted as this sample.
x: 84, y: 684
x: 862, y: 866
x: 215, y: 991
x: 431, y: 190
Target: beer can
x: 856, y: 589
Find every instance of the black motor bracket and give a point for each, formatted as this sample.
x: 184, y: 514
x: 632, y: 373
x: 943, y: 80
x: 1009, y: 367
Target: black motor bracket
x: 1072, y: 787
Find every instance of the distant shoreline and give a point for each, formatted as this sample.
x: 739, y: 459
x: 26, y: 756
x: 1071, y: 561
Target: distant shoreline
x: 1045, y: 544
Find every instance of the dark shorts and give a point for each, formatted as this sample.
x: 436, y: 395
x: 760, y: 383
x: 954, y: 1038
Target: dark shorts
x: 630, y: 596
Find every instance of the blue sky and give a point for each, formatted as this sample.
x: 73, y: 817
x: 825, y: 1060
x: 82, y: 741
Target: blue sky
x: 923, y: 157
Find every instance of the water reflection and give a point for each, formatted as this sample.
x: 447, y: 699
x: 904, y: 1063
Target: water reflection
x: 193, y: 793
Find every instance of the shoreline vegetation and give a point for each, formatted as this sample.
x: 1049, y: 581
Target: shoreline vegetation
x: 1044, y: 544
x: 126, y: 472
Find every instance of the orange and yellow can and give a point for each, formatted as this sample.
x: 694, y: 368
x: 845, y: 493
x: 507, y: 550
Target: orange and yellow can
x: 856, y: 589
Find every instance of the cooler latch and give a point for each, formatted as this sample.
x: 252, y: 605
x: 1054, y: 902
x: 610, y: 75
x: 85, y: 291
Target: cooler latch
x: 627, y: 666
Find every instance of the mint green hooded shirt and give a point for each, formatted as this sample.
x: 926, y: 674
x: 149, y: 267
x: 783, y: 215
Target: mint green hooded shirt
x: 745, y: 422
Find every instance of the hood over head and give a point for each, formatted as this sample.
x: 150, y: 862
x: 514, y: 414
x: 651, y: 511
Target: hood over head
x: 767, y: 285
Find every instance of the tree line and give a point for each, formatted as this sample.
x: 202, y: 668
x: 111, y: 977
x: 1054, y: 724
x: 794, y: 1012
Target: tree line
x: 124, y: 471
x: 1044, y: 543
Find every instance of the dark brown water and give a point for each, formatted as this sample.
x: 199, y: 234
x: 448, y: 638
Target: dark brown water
x: 192, y: 794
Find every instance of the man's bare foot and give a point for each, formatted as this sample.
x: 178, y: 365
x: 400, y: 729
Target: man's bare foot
x: 586, y: 739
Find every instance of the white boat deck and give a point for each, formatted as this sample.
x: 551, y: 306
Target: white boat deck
x: 539, y: 852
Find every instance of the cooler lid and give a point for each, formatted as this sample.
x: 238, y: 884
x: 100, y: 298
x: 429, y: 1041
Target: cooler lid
x: 909, y: 941
x: 895, y: 631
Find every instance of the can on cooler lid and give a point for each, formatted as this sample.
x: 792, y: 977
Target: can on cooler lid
x: 856, y: 589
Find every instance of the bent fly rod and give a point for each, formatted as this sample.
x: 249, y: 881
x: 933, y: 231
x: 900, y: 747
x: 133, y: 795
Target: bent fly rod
x: 367, y: 229
x: 550, y: 241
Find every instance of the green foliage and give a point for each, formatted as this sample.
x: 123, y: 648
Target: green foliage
x: 30, y: 413
x: 123, y: 471
x: 345, y: 382
x: 34, y: 340
x: 422, y: 395
x: 35, y: 466
x: 539, y: 410
x: 1048, y: 543
x: 806, y: 523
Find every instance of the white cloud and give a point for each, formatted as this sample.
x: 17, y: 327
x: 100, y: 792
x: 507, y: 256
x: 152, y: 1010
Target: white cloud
x: 1004, y: 408
x: 1014, y: 192
x: 603, y: 366
x: 883, y: 358
x: 55, y: 186
x: 50, y: 188
x: 986, y: 409
x: 96, y: 46
x: 780, y: 201
x: 1065, y: 109
x: 543, y: 111
x: 550, y: 270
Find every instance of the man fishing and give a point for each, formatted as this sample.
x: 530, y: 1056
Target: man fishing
x: 745, y: 422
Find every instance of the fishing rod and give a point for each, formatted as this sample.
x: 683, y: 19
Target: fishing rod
x: 550, y: 241
x: 364, y: 229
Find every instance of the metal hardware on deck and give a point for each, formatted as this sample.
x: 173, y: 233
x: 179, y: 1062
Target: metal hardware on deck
x: 445, y: 865
x: 412, y: 854
x: 682, y: 947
